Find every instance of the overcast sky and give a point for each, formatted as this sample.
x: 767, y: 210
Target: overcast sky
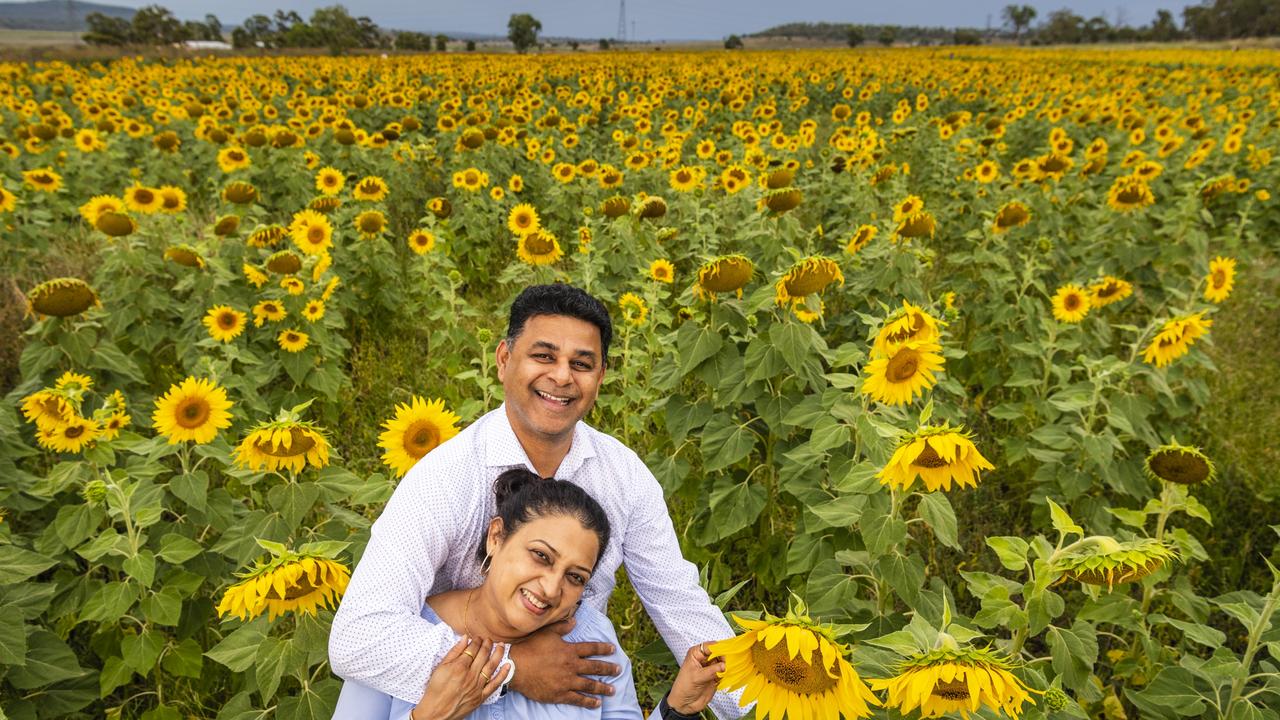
x: 665, y: 19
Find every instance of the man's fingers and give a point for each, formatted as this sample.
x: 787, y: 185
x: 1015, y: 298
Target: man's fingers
x: 587, y: 686
x: 578, y: 699
x: 564, y: 627
x: 588, y: 649
x: 595, y: 667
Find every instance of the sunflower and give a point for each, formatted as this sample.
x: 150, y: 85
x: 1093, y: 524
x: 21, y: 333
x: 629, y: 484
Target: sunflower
x: 224, y: 323
x: 313, y: 310
x: 908, y: 324
x: 805, y: 314
x: 1220, y: 280
x: 861, y: 238
x: 324, y: 204
x: 792, y: 666
x: 662, y: 270
x: 686, y: 178
x: 99, y: 205
x: 471, y: 179
x: 727, y: 273
x: 986, y: 172
x: 634, y: 310
x: 371, y: 188
x: 421, y: 241
x: 72, y: 436
x: 783, y: 200
x: 292, y: 285
x: 1010, y: 215
x: 233, y: 158
x: 267, y: 311
x: 61, y: 297
x: 370, y: 223
x: 265, y: 236
x: 1179, y: 464
x: 329, y: 181
x: 1103, y: 560
x: 87, y: 141
x: 173, y: 199
x: 539, y: 248
x: 417, y: 428
x: 616, y: 206
x: 292, y: 340
x: 440, y: 207
x: 954, y: 679
x: 809, y: 276
x: 1109, y: 290
x: 114, y: 224
x: 523, y: 219
x: 8, y: 201
x: 256, y: 277
x: 897, y: 378
x: 142, y: 199
x: 226, y: 225
x: 285, y: 262
x: 652, y: 207
x: 302, y: 581
x: 1129, y: 193
x: 1175, y: 338
x: 192, y: 410
x: 240, y: 193
x: 285, y: 443
x: 938, y: 455
x: 48, y: 408
x: 42, y: 179
x: 1070, y: 303
x: 909, y: 206
x: 311, y: 232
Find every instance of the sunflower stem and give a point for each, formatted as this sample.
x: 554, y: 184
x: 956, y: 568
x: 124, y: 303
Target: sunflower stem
x: 1255, y: 640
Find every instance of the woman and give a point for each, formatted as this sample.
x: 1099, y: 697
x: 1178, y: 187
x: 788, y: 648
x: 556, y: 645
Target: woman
x: 537, y: 558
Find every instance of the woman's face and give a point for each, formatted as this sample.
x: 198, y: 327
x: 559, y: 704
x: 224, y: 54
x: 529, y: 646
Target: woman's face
x: 538, y: 572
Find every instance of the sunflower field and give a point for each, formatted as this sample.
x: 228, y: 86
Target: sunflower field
x: 917, y: 341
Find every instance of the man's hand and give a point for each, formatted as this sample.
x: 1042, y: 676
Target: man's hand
x: 696, y: 681
x: 550, y: 670
x: 468, y: 674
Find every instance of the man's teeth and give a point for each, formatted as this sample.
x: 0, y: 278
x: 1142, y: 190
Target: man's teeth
x: 533, y: 600
x: 548, y: 396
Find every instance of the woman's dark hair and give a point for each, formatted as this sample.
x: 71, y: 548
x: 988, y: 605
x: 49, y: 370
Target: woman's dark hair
x: 560, y: 299
x: 523, y: 496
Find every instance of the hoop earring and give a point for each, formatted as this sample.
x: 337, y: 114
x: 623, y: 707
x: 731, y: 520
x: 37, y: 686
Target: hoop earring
x: 486, y: 564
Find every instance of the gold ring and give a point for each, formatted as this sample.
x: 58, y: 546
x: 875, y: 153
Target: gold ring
x: 484, y: 675
x: 469, y: 654
x: 704, y: 648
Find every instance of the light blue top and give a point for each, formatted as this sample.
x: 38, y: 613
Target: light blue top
x: 361, y: 702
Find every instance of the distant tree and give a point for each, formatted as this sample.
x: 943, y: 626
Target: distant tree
x: 213, y: 26
x: 1163, y: 28
x: 733, y: 42
x: 156, y: 25
x: 442, y: 42
x: 107, y: 30
x: 966, y: 37
x: 854, y: 37
x: 1019, y: 17
x: 471, y: 46
x: 254, y: 30
x: 331, y: 27
x: 1096, y: 29
x: 286, y: 20
x: 573, y: 45
x: 888, y: 34
x: 408, y: 40
x: 1063, y: 28
x: 604, y: 44
x: 522, y: 31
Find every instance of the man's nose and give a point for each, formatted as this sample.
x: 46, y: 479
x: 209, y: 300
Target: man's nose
x: 561, y: 373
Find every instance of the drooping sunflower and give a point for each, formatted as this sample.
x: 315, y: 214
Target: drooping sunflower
x: 652, y: 208
x: 292, y: 340
x: 955, y: 679
x: 783, y: 200
x: 311, y: 232
x: 918, y: 225
x: 417, y: 428
x: 184, y: 255
x: 240, y: 193
x: 662, y: 270
x: 937, y: 454
x: 371, y: 189
x: 1103, y: 560
x: 8, y: 201
x: 1070, y: 303
x: 440, y: 207
x: 1179, y: 464
x: 809, y: 276
x: 284, y: 262
x: 421, y: 241
x: 1220, y: 280
x: 1175, y: 338
x: 523, y: 219
x: 727, y: 273
x: 793, y: 666
x: 861, y: 238
x: 143, y: 199
x: 226, y: 225
x: 1109, y: 290
x: 283, y: 444
x: 538, y: 248
x: 253, y: 275
x: 71, y: 436
x: 634, y: 310
x: 907, y: 324
x: 195, y: 410
x: 370, y: 223
x: 267, y: 311
x: 61, y: 297
x: 113, y: 224
x: 48, y: 408
x: 615, y: 206
x: 1129, y: 193
x: 896, y: 379
x: 1010, y: 215
x: 225, y: 323
x: 329, y: 181
x: 303, y: 581
x: 99, y: 205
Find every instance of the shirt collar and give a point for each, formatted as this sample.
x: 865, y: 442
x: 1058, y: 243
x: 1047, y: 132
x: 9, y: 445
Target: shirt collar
x: 503, y: 448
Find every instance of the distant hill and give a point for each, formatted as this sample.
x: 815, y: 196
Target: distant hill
x: 55, y: 14
x: 839, y: 32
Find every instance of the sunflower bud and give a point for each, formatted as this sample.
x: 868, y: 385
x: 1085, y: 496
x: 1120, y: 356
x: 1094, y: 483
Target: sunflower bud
x: 1055, y: 700
x: 484, y: 335
x: 94, y: 492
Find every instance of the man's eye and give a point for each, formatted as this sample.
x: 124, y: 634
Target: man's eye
x: 585, y: 367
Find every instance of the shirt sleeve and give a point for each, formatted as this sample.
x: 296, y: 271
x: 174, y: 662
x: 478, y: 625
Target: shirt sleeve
x: 378, y: 636
x: 668, y: 584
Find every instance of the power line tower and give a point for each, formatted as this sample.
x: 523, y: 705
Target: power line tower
x: 622, y: 20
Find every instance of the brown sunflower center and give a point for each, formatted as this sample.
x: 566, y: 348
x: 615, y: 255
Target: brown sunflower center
x: 192, y: 413
x: 144, y: 196
x: 903, y: 366
x: 523, y: 220
x: 1179, y: 467
x: 1219, y: 279
x: 1071, y: 302
x: 315, y: 234
x: 300, y: 441
x: 1130, y: 195
x: 952, y: 690
x: 800, y: 675
x: 421, y: 438
x: 73, y: 431
x: 1108, y: 290
x: 929, y: 458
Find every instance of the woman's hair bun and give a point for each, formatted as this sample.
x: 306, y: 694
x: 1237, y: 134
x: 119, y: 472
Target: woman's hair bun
x: 511, y: 482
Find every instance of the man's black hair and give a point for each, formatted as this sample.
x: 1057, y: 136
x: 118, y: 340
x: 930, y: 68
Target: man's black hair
x: 560, y: 299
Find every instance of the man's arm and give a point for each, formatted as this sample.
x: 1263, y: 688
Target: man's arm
x: 667, y: 583
x: 379, y: 637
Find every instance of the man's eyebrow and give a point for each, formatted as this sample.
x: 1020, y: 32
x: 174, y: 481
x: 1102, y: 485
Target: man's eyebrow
x: 546, y: 345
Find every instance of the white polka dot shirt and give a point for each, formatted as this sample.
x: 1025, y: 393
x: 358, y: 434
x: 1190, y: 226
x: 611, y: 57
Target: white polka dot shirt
x: 425, y: 543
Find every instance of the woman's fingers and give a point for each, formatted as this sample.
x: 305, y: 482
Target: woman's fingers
x: 483, y: 648
x: 497, y: 674
x: 457, y: 650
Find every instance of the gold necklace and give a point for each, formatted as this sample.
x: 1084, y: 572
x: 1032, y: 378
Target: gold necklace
x: 466, y: 626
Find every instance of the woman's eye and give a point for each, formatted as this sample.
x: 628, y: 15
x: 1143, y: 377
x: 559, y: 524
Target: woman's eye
x: 577, y: 579
x: 541, y: 555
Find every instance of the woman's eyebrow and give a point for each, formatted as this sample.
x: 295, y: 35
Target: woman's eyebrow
x: 556, y: 553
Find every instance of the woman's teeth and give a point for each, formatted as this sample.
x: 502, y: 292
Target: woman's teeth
x: 553, y: 398
x: 533, y: 600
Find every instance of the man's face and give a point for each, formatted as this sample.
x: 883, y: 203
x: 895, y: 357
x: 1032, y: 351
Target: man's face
x: 551, y: 375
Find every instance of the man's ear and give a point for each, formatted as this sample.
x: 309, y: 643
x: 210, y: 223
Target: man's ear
x: 493, y: 539
x: 501, y: 357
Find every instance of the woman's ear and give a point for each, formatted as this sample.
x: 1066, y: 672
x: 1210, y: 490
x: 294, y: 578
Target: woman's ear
x: 493, y: 540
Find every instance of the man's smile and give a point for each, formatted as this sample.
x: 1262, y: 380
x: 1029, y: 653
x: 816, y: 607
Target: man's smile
x: 559, y: 400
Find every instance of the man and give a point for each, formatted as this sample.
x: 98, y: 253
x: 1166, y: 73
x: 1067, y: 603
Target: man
x: 551, y: 365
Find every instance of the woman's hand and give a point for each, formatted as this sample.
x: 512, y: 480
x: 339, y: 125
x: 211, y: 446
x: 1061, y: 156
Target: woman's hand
x: 468, y: 674
x: 696, y: 681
